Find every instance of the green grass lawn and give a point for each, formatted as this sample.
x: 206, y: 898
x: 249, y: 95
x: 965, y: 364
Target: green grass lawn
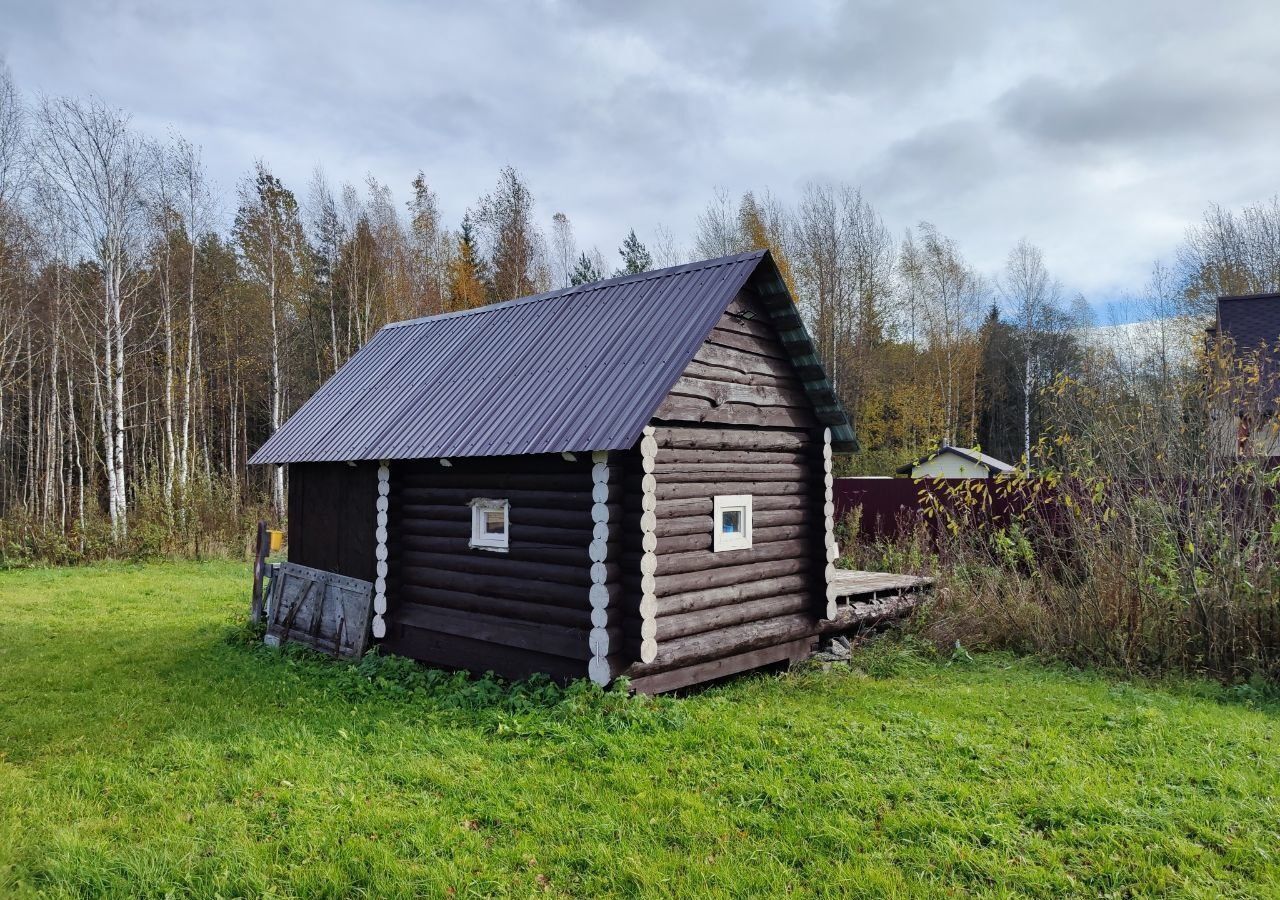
x: 144, y: 751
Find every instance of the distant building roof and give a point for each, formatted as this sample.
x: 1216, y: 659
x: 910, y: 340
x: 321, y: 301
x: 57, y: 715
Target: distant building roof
x: 990, y: 462
x: 1250, y: 320
x: 578, y: 369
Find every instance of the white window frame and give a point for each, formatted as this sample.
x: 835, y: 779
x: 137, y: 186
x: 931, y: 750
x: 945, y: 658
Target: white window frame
x: 720, y: 541
x: 480, y: 538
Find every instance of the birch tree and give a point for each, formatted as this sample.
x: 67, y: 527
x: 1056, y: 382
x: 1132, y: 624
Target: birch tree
x: 1032, y: 299
x: 98, y: 168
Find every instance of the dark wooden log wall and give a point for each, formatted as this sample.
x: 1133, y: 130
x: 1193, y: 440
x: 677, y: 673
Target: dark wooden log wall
x: 516, y: 613
x: 332, y: 517
x: 737, y: 422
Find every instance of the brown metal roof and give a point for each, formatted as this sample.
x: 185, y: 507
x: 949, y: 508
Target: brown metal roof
x: 573, y: 370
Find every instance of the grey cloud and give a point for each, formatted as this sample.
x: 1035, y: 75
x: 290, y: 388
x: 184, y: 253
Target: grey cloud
x: 1136, y: 108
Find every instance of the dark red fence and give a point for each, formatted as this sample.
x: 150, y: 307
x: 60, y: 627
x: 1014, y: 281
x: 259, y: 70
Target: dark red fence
x: 891, y: 505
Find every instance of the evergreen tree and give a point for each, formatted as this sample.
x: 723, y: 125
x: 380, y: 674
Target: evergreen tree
x: 635, y: 258
x: 468, y: 275
x: 585, y: 271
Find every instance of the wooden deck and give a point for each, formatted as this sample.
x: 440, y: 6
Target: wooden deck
x: 868, y: 598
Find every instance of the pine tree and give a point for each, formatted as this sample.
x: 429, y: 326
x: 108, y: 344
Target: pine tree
x: 585, y: 271
x: 468, y: 275
x: 635, y: 258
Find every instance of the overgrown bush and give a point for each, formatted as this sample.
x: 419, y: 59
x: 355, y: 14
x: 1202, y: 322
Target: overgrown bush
x: 207, y: 520
x: 1145, y: 539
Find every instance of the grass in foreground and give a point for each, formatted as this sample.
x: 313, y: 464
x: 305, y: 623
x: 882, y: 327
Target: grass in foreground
x: 142, y: 752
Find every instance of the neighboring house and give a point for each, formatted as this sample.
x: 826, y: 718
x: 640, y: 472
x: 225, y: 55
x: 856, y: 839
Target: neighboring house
x: 631, y: 477
x: 955, y: 462
x: 1251, y: 322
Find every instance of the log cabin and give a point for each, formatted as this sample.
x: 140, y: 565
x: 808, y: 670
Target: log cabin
x: 625, y: 478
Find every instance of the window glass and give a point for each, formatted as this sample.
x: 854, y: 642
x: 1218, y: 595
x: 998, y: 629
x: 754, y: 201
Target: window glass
x: 731, y: 521
x: 495, y: 521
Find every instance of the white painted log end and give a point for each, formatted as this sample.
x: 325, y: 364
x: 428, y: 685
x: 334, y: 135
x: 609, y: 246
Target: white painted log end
x: 598, y: 641
x: 826, y: 435
x: 648, y: 431
x: 648, y: 606
x: 379, y: 627
x: 380, y: 604
x: 599, y: 573
x: 829, y: 508
x: 649, y: 542
x: 648, y: 651
x: 599, y: 617
x: 600, y: 493
x: 382, y: 568
x: 598, y: 550
x: 649, y: 629
x: 648, y: 584
x: 599, y: 456
x: 568, y: 457
x: 598, y: 670
x: 833, y: 552
x: 600, y: 473
x: 649, y: 521
x: 649, y: 503
x: 600, y: 531
x: 600, y: 513
x: 832, y: 610
x: 599, y: 596
x: 648, y: 564
x: 445, y: 463
x: 647, y: 464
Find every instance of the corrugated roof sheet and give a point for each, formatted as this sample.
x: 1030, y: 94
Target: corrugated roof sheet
x: 573, y: 370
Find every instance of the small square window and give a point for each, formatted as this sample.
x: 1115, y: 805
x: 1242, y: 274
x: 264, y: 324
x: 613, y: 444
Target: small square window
x: 732, y: 518
x: 489, y: 524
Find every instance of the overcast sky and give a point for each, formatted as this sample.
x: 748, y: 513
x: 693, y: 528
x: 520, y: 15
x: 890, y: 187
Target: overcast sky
x: 1098, y: 130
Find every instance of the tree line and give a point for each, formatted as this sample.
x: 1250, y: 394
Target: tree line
x: 153, y: 332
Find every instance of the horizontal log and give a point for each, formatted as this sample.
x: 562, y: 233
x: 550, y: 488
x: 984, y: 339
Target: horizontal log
x: 671, y: 459
x: 519, y: 534
x: 518, y: 514
x: 522, y: 610
x: 678, y: 509
x: 746, y: 343
x: 702, y: 561
x: 722, y: 358
x: 703, y: 620
x: 529, y: 498
x: 729, y: 641
x: 691, y: 490
x: 677, y: 438
x: 490, y: 563
x: 645, y: 680
x: 720, y: 392
x: 668, y: 585
x: 671, y: 526
x: 574, y: 596
x: 519, y: 551
x: 558, y: 640
x: 708, y: 472
x: 452, y: 479
x: 707, y: 598
x: 686, y: 409
x: 702, y: 538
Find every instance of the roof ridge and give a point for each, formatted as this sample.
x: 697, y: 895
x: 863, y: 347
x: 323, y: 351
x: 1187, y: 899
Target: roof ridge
x: 586, y: 288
